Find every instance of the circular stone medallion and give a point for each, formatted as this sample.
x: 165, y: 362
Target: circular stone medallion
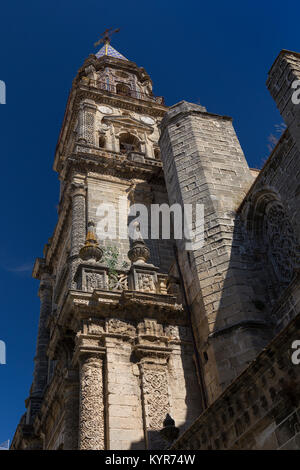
x: 105, y: 110
x: 147, y: 120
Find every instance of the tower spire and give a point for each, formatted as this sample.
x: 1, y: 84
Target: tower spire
x: 106, y: 36
x: 107, y: 49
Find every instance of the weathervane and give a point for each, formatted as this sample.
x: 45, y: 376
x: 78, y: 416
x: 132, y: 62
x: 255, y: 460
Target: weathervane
x: 106, y: 36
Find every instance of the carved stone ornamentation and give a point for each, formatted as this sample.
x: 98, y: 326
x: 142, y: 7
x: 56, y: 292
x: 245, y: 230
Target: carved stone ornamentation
x: 181, y: 333
x: 150, y: 328
x: 120, y: 327
x: 94, y: 281
x: 86, y: 123
x: 139, y: 252
x: 91, y: 421
x: 157, y: 397
x: 162, y: 284
x: 118, y: 282
x: 172, y: 331
x: 89, y: 127
x: 156, y: 402
x: 95, y: 326
x: 78, y: 217
x: 145, y: 282
x: 91, y: 249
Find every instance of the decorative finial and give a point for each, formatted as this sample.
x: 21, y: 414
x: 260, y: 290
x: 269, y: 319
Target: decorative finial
x: 91, y: 248
x: 106, y: 36
x: 139, y: 253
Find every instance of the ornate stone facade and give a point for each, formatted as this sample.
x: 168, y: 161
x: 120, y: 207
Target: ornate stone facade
x: 106, y: 301
x: 132, y: 332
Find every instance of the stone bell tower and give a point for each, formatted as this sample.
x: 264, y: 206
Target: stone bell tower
x: 114, y: 352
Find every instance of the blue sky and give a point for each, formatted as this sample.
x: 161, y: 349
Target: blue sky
x: 214, y: 53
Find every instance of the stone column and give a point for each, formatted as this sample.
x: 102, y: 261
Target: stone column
x: 41, y: 359
x: 71, y: 411
x: 91, y: 409
x: 78, y: 194
x: 86, y: 122
x: 78, y: 230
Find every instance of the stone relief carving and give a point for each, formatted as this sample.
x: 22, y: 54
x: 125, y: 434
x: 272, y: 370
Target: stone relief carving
x: 118, y: 282
x: 105, y: 109
x: 155, y: 388
x: 89, y: 127
x: 150, y: 328
x: 94, y: 281
x: 96, y: 326
x: 178, y: 332
x: 91, y: 423
x: 162, y: 284
x: 145, y: 283
x: 172, y: 331
x: 121, y: 327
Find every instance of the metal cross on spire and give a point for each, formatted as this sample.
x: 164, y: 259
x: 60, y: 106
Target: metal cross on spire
x: 106, y: 36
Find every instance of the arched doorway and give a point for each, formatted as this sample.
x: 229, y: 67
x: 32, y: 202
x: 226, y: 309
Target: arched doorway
x: 129, y: 143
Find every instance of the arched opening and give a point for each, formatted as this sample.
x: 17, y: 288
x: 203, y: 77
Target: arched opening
x: 129, y: 143
x: 274, y: 241
x: 101, y: 141
x: 157, y: 153
x: 122, y: 89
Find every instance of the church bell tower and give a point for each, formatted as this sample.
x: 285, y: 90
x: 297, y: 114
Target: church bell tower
x: 114, y: 354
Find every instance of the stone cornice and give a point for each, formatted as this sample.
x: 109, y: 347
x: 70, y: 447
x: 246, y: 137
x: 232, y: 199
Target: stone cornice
x: 88, y: 159
x: 131, y: 304
x: 147, y: 352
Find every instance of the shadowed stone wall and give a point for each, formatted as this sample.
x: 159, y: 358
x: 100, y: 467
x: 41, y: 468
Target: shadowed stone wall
x: 204, y: 164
